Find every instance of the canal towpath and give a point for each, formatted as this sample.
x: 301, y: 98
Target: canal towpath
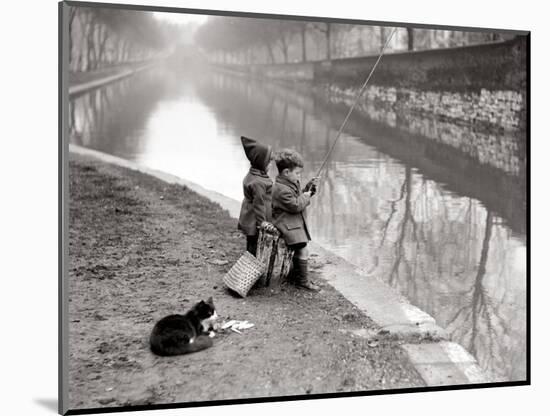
x: 379, y: 321
x: 142, y: 247
x: 80, y: 82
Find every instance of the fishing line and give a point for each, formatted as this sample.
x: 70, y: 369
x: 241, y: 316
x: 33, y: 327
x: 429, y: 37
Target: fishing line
x: 361, y: 90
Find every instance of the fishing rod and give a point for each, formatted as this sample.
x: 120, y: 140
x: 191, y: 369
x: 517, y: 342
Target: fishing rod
x: 361, y: 90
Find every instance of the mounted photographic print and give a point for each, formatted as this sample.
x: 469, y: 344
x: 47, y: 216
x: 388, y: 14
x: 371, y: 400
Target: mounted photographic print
x: 259, y: 208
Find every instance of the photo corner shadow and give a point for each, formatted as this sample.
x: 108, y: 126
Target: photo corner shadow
x: 50, y: 404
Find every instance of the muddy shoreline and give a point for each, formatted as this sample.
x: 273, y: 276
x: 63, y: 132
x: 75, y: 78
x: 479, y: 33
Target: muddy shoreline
x: 140, y: 248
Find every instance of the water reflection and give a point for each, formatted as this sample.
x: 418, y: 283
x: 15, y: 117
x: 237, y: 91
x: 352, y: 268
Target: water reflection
x: 447, y: 233
x: 115, y: 117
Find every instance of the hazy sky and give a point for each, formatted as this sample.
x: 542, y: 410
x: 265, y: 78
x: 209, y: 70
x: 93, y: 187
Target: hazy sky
x: 181, y: 17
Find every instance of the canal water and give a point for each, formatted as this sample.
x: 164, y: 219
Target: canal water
x: 445, y: 232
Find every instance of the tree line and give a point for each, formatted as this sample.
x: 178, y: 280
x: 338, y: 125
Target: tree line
x: 241, y: 40
x: 100, y: 37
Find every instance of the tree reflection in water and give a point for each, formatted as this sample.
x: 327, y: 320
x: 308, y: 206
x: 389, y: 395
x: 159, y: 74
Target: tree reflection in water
x: 479, y: 323
x: 430, y: 262
x: 426, y: 242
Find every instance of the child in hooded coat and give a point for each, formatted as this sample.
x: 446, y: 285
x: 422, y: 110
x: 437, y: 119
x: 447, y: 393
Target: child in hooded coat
x: 257, y: 185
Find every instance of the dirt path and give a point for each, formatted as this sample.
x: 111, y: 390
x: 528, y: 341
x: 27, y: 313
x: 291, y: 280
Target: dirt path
x: 140, y: 249
x: 81, y: 77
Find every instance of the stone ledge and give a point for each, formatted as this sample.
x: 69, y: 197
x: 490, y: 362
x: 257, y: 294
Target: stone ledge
x: 445, y: 363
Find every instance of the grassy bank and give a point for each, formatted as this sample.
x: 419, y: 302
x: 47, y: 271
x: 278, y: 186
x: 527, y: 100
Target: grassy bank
x: 140, y: 249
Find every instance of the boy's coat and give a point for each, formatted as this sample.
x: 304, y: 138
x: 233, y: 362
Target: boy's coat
x: 289, y: 211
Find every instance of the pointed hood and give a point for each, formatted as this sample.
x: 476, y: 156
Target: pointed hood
x: 258, y: 153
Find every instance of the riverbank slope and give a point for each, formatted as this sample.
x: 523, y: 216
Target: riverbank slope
x: 140, y: 249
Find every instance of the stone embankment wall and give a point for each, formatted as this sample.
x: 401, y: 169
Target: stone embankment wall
x: 489, y: 141
x: 472, y: 98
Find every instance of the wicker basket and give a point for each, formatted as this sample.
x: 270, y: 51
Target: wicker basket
x: 244, y: 273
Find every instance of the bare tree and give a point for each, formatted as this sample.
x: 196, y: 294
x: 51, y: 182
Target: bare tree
x: 90, y: 27
x: 116, y: 35
x: 326, y: 29
x: 72, y: 16
x: 284, y: 35
x: 303, y: 33
x: 410, y: 39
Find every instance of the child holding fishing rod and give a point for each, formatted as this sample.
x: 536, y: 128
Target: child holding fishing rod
x: 289, y: 202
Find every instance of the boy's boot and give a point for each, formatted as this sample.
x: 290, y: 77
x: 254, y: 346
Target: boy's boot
x: 301, y: 278
x: 293, y: 275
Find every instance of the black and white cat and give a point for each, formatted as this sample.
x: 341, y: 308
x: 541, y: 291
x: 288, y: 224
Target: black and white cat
x: 182, y: 334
